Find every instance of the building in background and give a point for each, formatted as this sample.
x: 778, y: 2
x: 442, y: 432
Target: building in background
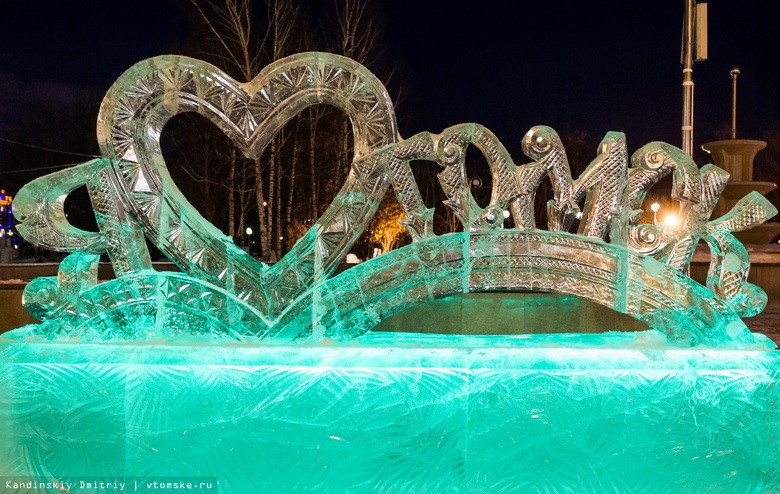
x: 6, y: 217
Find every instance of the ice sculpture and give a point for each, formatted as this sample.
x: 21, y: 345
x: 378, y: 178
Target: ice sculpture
x: 311, y: 399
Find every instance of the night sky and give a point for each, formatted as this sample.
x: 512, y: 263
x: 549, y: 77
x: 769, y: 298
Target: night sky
x: 596, y: 66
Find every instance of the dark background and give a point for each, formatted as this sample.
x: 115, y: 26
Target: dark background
x: 593, y: 66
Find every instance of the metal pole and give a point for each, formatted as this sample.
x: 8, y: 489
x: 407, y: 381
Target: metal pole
x: 687, y: 60
x: 734, y: 73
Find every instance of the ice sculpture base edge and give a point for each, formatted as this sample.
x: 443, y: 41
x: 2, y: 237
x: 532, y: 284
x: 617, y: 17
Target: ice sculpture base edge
x: 577, y: 412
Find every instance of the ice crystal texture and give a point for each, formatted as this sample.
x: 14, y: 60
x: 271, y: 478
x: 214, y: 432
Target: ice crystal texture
x: 585, y: 413
x: 226, y: 292
x: 269, y: 377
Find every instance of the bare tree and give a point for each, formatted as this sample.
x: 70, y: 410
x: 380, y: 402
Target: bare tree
x: 229, y: 22
x: 233, y: 48
x: 236, y: 48
x: 358, y: 36
x: 295, y: 162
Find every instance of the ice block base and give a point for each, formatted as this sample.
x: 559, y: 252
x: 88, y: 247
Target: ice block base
x: 398, y: 413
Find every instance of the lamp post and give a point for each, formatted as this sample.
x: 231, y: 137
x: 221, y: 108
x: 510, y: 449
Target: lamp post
x: 654, y: 207
x: 248, y: 235
x: 687, y: 60
x: 672, y: 221
x: 734, y: 73
x: 694, y: 49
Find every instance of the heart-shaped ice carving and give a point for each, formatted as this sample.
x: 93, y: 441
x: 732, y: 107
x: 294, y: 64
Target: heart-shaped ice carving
x: 143, y: 99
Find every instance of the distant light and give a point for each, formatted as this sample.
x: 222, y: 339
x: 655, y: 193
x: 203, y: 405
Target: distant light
x: 506, y: 214
x: 654, y: 207
x: 265, y: 203
x: 248, y: 230
x: 579, y: 215
x: 281, y: 238
x: 671, y: 221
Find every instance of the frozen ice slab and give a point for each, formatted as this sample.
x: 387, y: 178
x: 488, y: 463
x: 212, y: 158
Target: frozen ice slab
x: 398, y: 413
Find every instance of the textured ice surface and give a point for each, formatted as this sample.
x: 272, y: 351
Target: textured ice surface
x: 399, y: 413
x: 224, y: 292
x: 269, y: 379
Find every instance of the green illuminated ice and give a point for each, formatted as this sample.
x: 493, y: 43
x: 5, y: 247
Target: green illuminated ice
x: 566, y: 413
x: 269, y: 378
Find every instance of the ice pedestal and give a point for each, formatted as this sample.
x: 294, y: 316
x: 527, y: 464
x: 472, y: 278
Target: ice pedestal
x: 398, y: 413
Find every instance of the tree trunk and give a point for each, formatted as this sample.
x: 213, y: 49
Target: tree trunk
x: 314, y: 207
x: 262, y: 227
x: 268, y: 208
x: 278, y: 200
x: 346, y: 158
x: 231, y: 195
x: 291, y: 188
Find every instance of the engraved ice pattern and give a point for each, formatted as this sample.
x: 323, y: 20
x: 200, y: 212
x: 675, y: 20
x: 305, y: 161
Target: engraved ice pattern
x: 270, y: 379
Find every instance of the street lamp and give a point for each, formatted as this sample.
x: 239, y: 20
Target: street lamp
x: 694, y: 49
x: 734, y: 73
x: 672, y: 221
x: 248, y: 234
x: 654, y: 207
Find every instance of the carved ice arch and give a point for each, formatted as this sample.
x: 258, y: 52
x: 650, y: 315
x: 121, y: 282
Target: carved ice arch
x: 351, y: 304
